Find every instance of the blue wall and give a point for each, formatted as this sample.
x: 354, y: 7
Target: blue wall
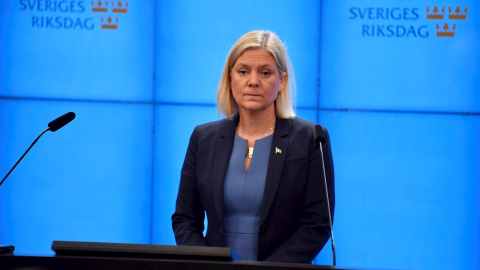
x: 403, y: 109
x: 401, y: 103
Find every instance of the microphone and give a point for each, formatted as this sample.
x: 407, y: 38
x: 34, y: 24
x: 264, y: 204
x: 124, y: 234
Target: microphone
x: 319, y: 138
x: 52, y: 126
x: 61, y: 121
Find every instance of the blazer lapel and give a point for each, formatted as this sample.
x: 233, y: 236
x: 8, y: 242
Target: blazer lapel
x: 223, y: 151
x: 275, y: 165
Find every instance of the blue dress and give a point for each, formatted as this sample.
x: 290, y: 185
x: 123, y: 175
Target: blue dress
x: 243, y: 195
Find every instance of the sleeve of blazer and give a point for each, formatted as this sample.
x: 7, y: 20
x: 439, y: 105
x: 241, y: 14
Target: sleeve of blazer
x: 313, y: 230
x: 188, y: 219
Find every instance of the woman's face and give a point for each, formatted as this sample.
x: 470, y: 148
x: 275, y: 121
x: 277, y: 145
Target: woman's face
x: 256, y: 81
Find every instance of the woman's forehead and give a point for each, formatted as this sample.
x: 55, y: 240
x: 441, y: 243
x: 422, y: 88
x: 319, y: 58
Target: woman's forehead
x: 256, y: 56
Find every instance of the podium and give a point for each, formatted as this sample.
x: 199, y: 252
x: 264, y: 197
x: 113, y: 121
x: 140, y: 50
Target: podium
x: 100, y: 256
x: 44, y: 262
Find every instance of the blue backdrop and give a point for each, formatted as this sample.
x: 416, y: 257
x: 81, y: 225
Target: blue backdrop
x: 399, y: 95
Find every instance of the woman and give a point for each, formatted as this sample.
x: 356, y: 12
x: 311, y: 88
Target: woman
x: 256, y: 174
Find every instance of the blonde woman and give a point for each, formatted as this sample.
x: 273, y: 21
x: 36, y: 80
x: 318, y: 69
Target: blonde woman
x: 256, y: 174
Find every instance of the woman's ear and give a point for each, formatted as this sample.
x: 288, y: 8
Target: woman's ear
x: 283, y: 80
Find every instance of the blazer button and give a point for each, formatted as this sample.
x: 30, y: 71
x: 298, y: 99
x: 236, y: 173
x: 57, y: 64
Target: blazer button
x: 262, y: 234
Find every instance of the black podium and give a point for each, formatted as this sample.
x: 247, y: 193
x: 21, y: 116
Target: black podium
x: 96, y: 256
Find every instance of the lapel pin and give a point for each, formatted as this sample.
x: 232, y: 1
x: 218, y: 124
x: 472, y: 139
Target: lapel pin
x: 278, y: 150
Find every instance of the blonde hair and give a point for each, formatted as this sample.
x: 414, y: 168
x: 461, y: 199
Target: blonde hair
x: 269, y: 41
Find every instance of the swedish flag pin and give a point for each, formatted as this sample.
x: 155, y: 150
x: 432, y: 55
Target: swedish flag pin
x: 278, y: 150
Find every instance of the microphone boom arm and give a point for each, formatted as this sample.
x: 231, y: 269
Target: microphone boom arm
x: 34, y: 142
x: 52, y: 126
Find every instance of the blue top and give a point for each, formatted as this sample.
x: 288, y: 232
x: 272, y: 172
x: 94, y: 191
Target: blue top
x: 243, y: 195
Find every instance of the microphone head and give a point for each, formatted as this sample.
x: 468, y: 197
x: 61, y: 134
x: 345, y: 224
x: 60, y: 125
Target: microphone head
x: 61, y: 121
x: 318, y: 134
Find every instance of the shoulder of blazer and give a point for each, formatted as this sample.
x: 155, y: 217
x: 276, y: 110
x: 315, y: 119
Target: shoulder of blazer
x: 216, y: 129
x: 293, y: 127
x: 306, y: 128
x: 299, y: 124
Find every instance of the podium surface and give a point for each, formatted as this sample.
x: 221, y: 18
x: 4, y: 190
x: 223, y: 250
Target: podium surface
x: 57, y: 262
x: 99, y: 256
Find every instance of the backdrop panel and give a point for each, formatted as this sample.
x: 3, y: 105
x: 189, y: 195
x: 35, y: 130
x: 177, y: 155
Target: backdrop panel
x: 63, y: 49
x: 406, y: 188
x: 378, y: 55
x: 89, y: 181
x: 194, y: 38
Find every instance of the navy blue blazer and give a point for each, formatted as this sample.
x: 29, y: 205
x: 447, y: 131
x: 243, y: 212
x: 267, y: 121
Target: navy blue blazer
x: 294, y: 224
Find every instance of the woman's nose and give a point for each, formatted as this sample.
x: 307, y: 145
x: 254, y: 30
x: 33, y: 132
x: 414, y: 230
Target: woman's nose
x: 253, y: 80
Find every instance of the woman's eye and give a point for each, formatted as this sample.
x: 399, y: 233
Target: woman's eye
x: 242, y: 72
x: 266, y: 73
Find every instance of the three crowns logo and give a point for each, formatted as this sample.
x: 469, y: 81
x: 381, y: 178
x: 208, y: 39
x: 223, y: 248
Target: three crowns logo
x: 436, y: 14
x: 118, y: 7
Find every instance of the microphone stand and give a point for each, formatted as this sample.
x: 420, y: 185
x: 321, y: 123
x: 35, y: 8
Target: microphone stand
x: 34, y: 142
x: 328, y: 205
x: 319, y: 137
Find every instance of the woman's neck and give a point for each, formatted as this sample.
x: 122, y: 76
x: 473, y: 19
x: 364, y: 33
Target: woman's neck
x: 253, y: 126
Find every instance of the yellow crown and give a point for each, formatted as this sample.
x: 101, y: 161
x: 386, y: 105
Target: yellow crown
x: 99, y: 7
x: 446, y: 32
x: 458, y: 14
x: 109, y: 24
x: 435, y: 14
x: 119, y: 8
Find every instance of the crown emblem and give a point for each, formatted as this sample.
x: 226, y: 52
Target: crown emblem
x: 446, y: 32
x: 109, y: 23
x: 119, y: 8
x: 435, y: 13
x: 99, y: 7
x: 116, y: 8
x: 458, y: 14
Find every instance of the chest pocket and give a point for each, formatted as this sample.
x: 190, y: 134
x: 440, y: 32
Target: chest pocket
x: 296, y: 160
